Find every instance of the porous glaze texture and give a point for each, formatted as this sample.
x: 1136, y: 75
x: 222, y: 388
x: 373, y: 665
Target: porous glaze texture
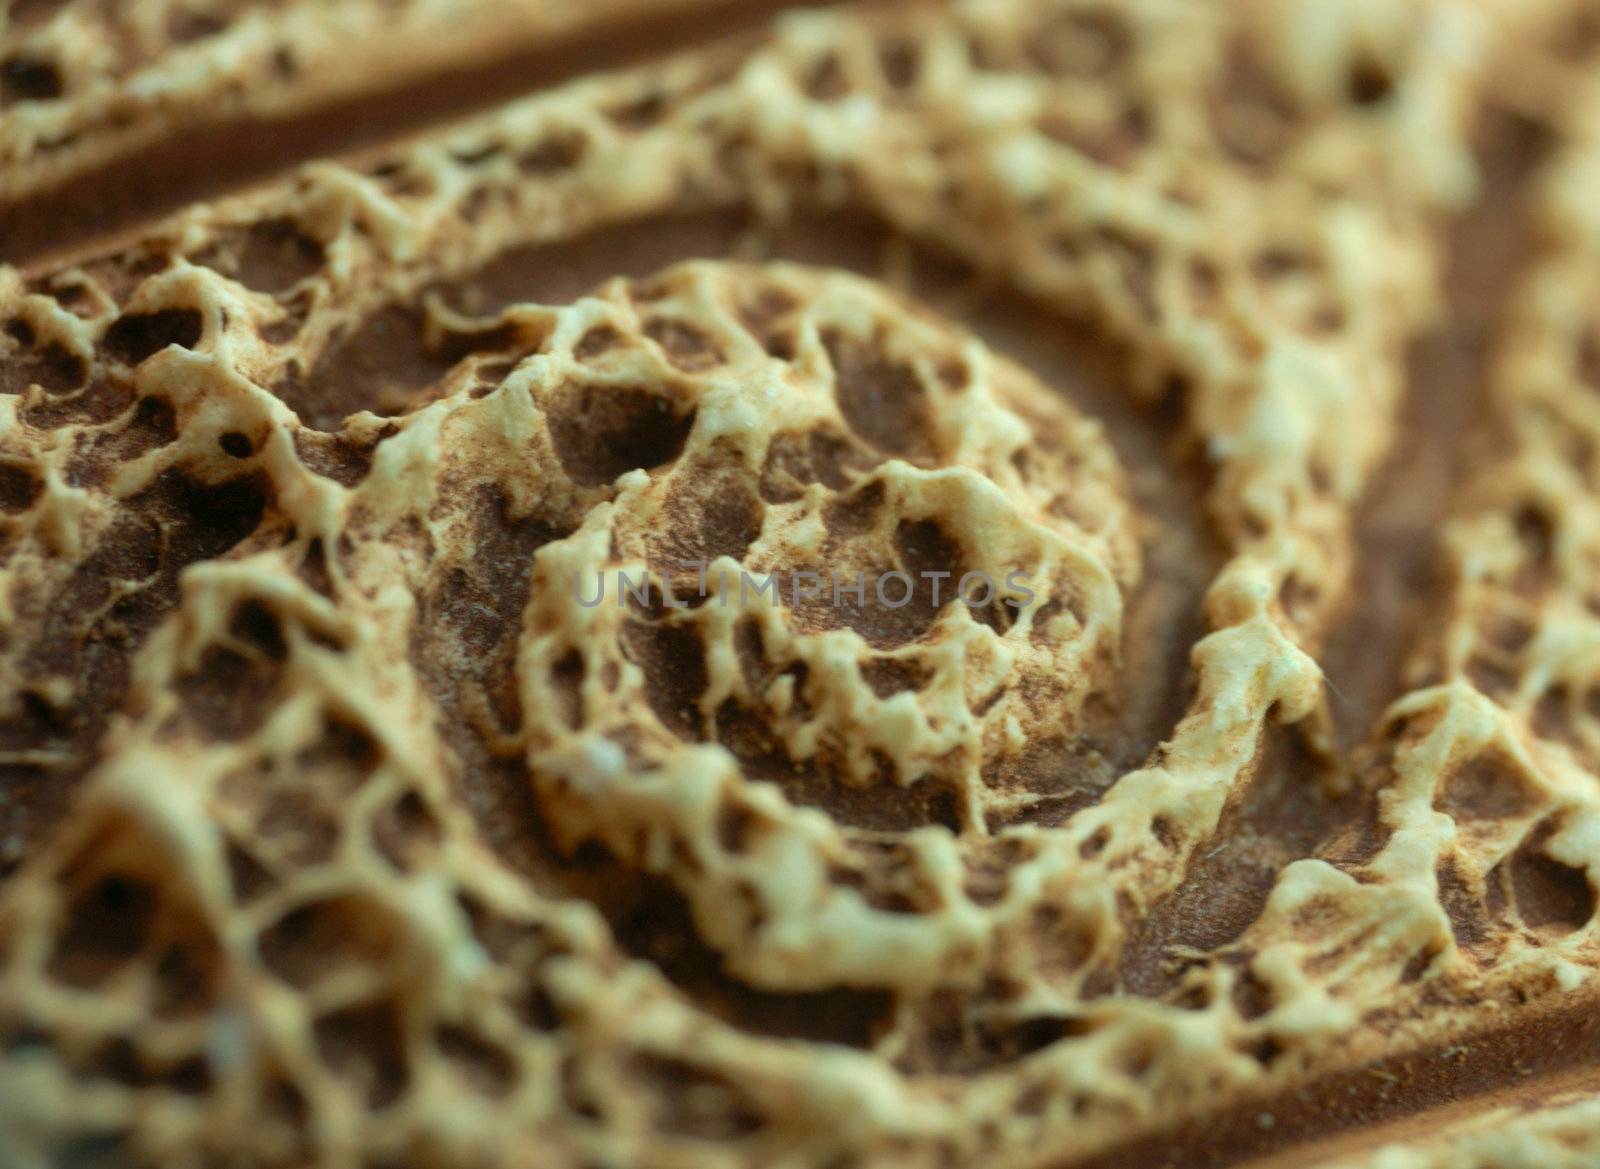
x: 83, y: 82
x: 340, y: 828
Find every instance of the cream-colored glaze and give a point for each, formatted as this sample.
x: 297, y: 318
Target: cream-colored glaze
x: 371, y: 697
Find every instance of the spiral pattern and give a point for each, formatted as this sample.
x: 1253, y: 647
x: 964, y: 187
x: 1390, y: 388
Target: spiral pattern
x: 397, y: 782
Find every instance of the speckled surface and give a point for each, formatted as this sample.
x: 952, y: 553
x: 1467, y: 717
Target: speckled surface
x: 83, y: 82
x: 338, y: 831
